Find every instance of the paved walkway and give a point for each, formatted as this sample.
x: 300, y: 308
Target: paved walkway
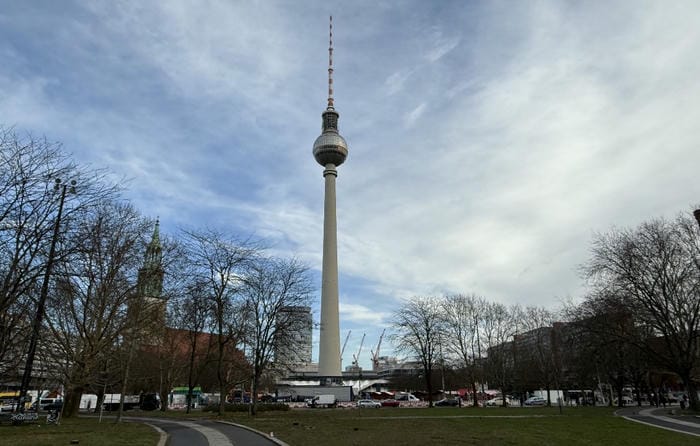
x: 206, y: 433
x: 663, y: 418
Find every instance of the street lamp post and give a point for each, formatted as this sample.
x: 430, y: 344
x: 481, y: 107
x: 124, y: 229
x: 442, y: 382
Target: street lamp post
x: 36, y: 326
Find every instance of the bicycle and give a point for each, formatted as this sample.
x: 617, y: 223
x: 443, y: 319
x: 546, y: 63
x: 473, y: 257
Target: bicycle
x: 53, y: 417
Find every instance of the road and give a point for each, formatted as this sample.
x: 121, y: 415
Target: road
x: 207, y: 433
x: 663, y: 418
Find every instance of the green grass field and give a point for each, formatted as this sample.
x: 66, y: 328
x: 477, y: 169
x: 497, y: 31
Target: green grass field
x: 386, y: 426
x: 87, y: 431
x: 458, y: 426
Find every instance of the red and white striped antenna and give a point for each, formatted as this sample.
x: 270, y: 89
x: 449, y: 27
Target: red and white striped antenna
x: 330, y: 66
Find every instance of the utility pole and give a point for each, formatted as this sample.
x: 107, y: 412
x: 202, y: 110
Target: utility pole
x: 36, y: 325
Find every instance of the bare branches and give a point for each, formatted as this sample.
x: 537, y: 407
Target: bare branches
x: 274, y: 292
x: 28, y: 205
x: 651, y: 275
x: 418, y: 332
x: 86, y: 315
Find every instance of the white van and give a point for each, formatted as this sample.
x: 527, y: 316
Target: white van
x: 406, y: 397
x: 322, y: 401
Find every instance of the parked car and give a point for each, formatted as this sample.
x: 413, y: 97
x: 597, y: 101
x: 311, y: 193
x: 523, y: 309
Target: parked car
x: 46, y: 404
x: 671, y: 398
x: 498, y: 402
x: 626, y: 401
x: 56, y: 405
x: 390, y: 403
x: 406, y: 397
x: 369, y: 403
x: 535, y: 401
x: 447, y: 402
x: 7, y: 406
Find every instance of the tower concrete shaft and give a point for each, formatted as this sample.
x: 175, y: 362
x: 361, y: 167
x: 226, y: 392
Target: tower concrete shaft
x: 330, y: 151
x: 329, y: 354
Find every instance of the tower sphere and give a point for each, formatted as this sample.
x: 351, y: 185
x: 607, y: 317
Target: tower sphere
x: 330, y: 148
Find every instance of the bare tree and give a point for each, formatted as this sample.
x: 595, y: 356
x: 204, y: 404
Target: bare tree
x: 160, y: 363
x: 87, y: 311
x: 653, y: 272
x: 418, y: 329
x: 195, y: 313
x: 165, y: 354
x: 609, y: 340
x: 271, y: 287
x: 497, y: 328
x: 28, y: 205
x: 462, y: 314
x: 219, y: 260
x: 538, y: 344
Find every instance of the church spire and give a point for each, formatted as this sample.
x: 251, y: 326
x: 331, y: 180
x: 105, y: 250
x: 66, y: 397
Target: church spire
x: 148, y: 307
x: 154, y: 251
x: 151, y: 274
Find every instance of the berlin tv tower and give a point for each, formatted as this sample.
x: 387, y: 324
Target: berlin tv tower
x: 330, y: 151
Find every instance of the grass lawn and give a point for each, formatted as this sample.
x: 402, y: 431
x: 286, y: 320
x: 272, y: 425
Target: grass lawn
x: 86, y: 430
x: 458, y: 426
x: 437, y: 426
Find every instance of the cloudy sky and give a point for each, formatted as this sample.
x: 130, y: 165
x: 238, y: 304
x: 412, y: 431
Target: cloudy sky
x: 488, y: 140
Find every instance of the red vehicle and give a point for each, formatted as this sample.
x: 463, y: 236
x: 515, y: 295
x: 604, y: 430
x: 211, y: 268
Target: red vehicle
x: 390, y: 403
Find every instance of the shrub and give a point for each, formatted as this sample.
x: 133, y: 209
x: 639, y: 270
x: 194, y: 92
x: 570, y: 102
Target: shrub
x: 238, y: 407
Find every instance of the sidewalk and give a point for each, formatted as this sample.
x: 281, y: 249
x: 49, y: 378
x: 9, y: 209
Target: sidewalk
x: 670, y: 418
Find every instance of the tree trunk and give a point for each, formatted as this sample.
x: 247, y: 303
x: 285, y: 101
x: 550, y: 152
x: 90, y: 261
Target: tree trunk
x: 474, y: 393
x: 220, y: 376
x: 220, y: 361
x: 72, y: 399
x: 100, y: 399
x: 429, y: 386
x: 161, y: 389
x: 125, y: 380
x: 254, y: 392
x: 164, y: 394
x: 692, y: 392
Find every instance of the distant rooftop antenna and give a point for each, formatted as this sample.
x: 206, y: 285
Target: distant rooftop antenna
x: 330, y: 66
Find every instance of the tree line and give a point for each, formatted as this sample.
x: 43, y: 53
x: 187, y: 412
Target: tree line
x: 638, y: 324
x: 106, y: 328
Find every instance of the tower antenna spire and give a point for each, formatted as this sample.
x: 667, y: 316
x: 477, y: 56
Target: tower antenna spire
x: 330, y: 65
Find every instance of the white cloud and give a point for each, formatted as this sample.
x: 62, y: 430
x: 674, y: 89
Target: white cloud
x: 486, y: 143
x: 361, y: 314
x: 395, y: 81
x: 415, y: 114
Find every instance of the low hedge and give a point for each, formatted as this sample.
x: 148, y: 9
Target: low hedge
x: 239, y: 407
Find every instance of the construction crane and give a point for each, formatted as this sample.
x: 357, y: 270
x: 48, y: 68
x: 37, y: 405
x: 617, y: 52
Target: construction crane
x: 375, y: 354
x: 356, y: 358
x: 344, y: 344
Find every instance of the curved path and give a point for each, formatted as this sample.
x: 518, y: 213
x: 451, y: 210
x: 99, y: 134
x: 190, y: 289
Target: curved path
x: 206, y: 433
x: 663, y: 419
